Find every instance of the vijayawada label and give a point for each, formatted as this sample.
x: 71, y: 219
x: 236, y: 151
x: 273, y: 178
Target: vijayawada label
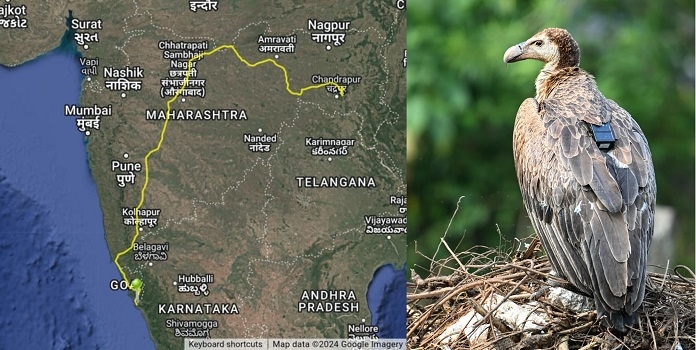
x: 381, y: 224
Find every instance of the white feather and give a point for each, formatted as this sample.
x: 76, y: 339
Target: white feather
x: 616, y: 161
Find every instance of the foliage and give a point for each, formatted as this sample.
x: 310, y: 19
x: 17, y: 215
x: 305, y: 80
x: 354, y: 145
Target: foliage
x: 462, y: 101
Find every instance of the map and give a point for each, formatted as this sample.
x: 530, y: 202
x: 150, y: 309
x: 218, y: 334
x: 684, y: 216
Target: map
x: 202, y: 169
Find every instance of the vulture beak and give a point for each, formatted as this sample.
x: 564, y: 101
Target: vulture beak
x: 516, y: 53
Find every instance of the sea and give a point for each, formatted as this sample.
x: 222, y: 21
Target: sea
x: 54, y: 263
x: 386, y: 299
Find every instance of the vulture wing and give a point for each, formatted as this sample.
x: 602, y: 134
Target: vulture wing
x: 592, y: 209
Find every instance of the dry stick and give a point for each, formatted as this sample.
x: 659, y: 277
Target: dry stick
x: 429, y: 295
x: 417, y: 280
x: 442, y: 239
x: 539, y: 272
x: 664, y: 277
x: 676, y: 325
x: 438, y: 279
x: 503, y: 336
x: 453, y: 215
x: 693, y: 276
x: 591, y: 345
x: 447, y: 230
x: 650, y: 329
x: 576, y: 329
x: 442, y: 291
x: 620, y: 340
x: 677, y: 286
x: 477, y: 324
x: 494, y: 320
x: 437, y: 293
x: 457, y: 292
x: 433, y: 294
x: 564, y: 343
x: 523, y: 296
x: 530, y: 250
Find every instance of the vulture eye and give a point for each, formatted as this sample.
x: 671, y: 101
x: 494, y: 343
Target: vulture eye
x: 538, y: 43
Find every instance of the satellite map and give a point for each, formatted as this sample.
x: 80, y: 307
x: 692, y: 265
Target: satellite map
x: 176, y: 172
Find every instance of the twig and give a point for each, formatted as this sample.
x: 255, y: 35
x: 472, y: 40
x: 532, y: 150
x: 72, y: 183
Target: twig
x: 664, y: 277
x: 453, y: 215
x: 591, y: 345
x: 452, y: 294
x: 564, y: 343
x: 429, y: 295
x: 576, y: 329
x: 494, y: 320
x: 442, y: 239
x: 530, y: 250
x: 505, y: 298
x: 680, y: 267
x: 667, y: 318
x: 650, y: 328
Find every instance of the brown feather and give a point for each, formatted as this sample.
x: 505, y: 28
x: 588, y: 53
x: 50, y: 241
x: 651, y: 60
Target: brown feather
x: 593, y: 210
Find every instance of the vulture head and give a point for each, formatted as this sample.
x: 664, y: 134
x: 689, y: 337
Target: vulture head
x: 553, y: 46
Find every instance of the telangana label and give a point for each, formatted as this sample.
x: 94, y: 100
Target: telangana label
x: 335, y: 182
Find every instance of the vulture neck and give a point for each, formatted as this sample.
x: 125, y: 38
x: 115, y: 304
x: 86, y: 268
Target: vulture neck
x: 550, y: 76
x: 543, y: 88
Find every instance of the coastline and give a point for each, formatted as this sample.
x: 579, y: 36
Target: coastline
x: 45, y: 161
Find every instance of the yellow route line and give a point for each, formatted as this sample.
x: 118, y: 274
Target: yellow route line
x: 166, y: 123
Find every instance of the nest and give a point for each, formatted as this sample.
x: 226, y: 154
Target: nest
x: 487, y: 298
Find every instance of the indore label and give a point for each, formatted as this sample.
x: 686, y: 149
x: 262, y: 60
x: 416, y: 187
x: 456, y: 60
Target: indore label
x: 205, y: 5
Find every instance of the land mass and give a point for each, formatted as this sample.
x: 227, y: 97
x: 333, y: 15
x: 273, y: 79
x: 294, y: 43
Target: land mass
x: 259, y: 194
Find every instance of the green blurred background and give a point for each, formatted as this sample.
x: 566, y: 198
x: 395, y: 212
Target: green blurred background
x: 462, y: 102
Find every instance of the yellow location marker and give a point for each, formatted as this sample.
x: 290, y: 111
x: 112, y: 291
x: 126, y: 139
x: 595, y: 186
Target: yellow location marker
x: 137, y: 286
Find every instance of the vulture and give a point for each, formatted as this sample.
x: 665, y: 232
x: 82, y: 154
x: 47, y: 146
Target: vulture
x: 586, y: 177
